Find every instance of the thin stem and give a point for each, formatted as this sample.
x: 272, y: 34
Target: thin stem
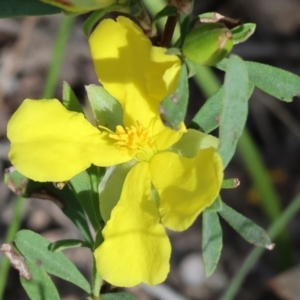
x: 58, y: 52
x: 276, y: 228
x: 10, y: 235
x: 97, y: 282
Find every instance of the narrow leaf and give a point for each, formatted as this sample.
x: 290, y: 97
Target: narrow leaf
x: 117, y: 296
x: 279, y: 83
x: 82, y: 186
x: 19, y: 8
x: 35, y: 249
x: 234, y: 107
x: 242, y: 32
x: 69, y: 98
x: 230, y: 183
x: 66, y: 244
x: 173, y: 107
x: 211, y: 241
x: 40, y: 287
x: 208, y: 117
x: 250, y: 231
x: 111, y: 186
x: 106, y: 109
x: 216, y: 206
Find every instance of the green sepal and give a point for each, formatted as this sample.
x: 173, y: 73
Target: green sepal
x: 70, y: 101
x: 192, y: 141
x: 35, y: 249
x: 173, y: 108
x: 111, y: 186
x: 117, y: 296
x: 107, y: 110
x: 191, y: 67
x: 83, y: 187
x: 250, y: 231
x: 207, y: 44
x: 186, y: 25
x: 173, y: 51
x: 67, y: 244
x: 64, y: 198
x: 242, y: 32
x: 212, y: 242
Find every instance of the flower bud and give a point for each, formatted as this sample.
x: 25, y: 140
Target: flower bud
x: 207, y: 44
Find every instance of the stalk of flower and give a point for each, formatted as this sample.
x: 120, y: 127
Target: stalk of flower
x: 50, y: 143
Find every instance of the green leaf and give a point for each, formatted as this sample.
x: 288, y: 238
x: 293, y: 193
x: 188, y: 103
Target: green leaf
x: 107, y: 110
x: 40, y: 287
x: 167, y: 11
x: 117, y: 296
x: 111, y: 186
x: 186, y: 26
x: 242, y: 32
x: 230, y: 183
x: 82, y: 186
x: 250, y: 231
x: 234, y: 107
x: 216, y: 206
x: 35, y: 249
x: 66, y: 244
x: 69, y: 98
x: 278, y: 83
x: 173, y: 107
x: 19, y: 8
x: 64, y: 198
x: 208, y: 117
x: 211, y: 241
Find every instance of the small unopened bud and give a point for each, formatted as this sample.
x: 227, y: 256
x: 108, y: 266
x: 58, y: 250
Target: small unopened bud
x: 207, y: 44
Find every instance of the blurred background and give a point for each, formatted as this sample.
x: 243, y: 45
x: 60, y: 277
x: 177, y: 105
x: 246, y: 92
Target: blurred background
x: 26, y: 46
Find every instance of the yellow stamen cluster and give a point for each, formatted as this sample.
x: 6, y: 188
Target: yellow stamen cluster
x: 135, y: 141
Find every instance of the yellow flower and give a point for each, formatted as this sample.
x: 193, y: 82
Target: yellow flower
x: 81, y: 6
x: 183, y: 169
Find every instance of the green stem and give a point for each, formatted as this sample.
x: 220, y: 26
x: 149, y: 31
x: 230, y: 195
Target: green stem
x: 276, y: 228
x: 270, y: 201
x: 10, y: 235
x: 58, y: 52
x: 254, y: 164
x: 97, y: 282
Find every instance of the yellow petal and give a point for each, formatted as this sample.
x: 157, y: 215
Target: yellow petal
x: 50, y: 143
x: 186, y: 186
x: 165, y: 66
x: 136, y: 248
x: 163, y: 136
x: 127, y: 65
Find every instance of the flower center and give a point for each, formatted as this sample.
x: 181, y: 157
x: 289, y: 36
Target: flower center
x: 135, y: 141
